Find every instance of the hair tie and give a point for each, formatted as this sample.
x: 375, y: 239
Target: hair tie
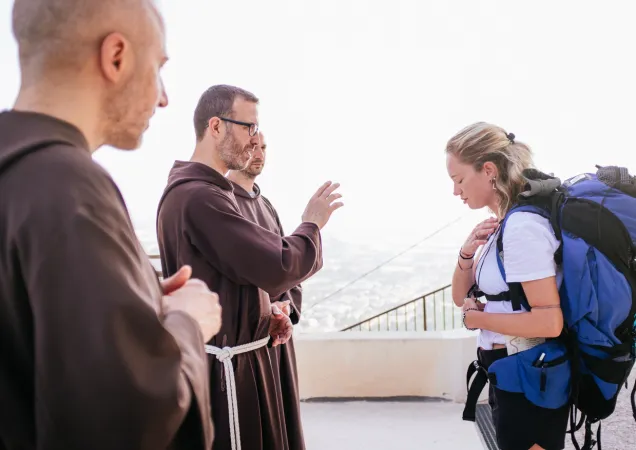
x: 511, y: 137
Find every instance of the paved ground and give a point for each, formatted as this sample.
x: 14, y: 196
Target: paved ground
x: 388, y: 425
x: 431, y: 424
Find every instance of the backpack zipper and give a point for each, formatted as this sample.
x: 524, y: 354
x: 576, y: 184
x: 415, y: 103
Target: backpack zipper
x: 555, y: 362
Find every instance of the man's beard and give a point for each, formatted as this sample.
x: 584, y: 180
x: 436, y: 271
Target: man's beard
x: 252, y: 173
x: 230, y: 152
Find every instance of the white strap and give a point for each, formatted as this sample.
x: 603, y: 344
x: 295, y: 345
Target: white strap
x: 224, y: 355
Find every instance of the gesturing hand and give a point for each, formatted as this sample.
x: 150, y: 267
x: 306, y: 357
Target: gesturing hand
x: 321, y: 205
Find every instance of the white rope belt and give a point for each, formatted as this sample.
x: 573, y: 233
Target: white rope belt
x: 224, y: 355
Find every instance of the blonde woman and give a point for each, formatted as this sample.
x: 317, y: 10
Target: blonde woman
x: 486, y: 165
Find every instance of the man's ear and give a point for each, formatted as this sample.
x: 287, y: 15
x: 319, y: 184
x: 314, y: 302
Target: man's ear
x: 116, y: 57
x: 214, y: 126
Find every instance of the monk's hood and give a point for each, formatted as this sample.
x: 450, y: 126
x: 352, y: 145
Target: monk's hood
x: 240, y: 192
x: 188, y: 171
x: 185, y: 171
x: 42, y: 131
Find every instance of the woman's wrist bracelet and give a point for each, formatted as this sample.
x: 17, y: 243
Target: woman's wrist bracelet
x: 464, y: 318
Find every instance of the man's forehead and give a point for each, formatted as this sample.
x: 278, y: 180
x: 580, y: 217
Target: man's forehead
x: 153, y: 5
x: 245, y: 110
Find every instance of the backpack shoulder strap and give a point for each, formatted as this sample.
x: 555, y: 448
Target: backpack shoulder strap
x: 516, y: 293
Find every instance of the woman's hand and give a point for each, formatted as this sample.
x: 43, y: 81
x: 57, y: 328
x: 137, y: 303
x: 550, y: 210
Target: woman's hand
x: 470, y: 303
x: 545, y: 320
x: 469, y: 307
x: 479, y: 236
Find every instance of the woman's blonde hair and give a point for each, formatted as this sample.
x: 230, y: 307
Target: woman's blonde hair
x: 483, y: 142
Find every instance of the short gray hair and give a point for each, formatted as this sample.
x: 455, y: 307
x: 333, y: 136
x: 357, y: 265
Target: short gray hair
x: 217, y: 101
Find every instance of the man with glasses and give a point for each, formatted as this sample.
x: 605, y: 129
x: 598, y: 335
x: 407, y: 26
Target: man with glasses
x: 199, y: 224
x: 256, y: 207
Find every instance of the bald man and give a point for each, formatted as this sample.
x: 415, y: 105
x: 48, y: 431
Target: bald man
x: 96, y: 352
x: 257, y: 208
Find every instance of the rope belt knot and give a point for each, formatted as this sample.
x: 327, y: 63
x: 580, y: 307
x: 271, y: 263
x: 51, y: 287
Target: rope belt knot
x: 224, y: 356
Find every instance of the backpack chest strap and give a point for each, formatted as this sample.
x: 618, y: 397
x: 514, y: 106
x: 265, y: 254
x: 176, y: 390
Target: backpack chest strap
x: 515, y: 295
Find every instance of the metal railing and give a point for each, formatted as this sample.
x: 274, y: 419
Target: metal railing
x: 430, y: 312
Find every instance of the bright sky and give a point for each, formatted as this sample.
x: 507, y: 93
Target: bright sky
x: 368, y: 92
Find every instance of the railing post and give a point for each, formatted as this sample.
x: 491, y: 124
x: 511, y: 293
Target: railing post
x: 444, y: 309
x: 405, y: 307
x: 406, y: 320
x: 452, y: 311
x: 435, y: 312
x: 414, y: 317
x: 424, y: 315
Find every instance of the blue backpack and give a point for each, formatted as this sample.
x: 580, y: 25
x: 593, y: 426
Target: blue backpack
x: 594, y: 217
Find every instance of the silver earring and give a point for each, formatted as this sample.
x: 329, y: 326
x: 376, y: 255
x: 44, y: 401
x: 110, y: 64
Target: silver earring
x: 492, y: 180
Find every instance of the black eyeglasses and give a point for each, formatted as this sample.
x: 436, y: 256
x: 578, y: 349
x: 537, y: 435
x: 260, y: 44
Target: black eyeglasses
x: 252, y: 127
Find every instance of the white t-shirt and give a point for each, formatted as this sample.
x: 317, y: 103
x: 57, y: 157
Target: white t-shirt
x: 529, y: 245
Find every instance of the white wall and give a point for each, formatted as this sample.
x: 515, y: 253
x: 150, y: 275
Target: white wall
x: 385, y: 364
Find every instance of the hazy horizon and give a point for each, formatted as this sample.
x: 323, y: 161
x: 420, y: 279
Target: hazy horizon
x: 367, y: 93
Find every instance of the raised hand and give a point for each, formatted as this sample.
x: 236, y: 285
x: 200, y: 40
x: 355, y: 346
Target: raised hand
x: 322, y: 204
x: 479, y: 236
x: 194, y: 298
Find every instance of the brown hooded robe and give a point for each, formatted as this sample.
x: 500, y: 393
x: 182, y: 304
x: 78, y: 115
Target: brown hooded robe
x: 259, y: 209
x: 86, y: 359
x: 199, y: 223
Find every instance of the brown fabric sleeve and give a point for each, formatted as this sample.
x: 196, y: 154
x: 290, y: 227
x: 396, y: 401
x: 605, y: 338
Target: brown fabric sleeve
x: 248, y: 253
x: 194, y: 364
x: 295, y: 294
x: 109, y: 373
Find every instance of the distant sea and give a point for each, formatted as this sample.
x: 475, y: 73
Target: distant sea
x: 422, y: 269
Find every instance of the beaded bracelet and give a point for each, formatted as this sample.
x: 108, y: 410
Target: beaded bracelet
x: 464, y: 318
